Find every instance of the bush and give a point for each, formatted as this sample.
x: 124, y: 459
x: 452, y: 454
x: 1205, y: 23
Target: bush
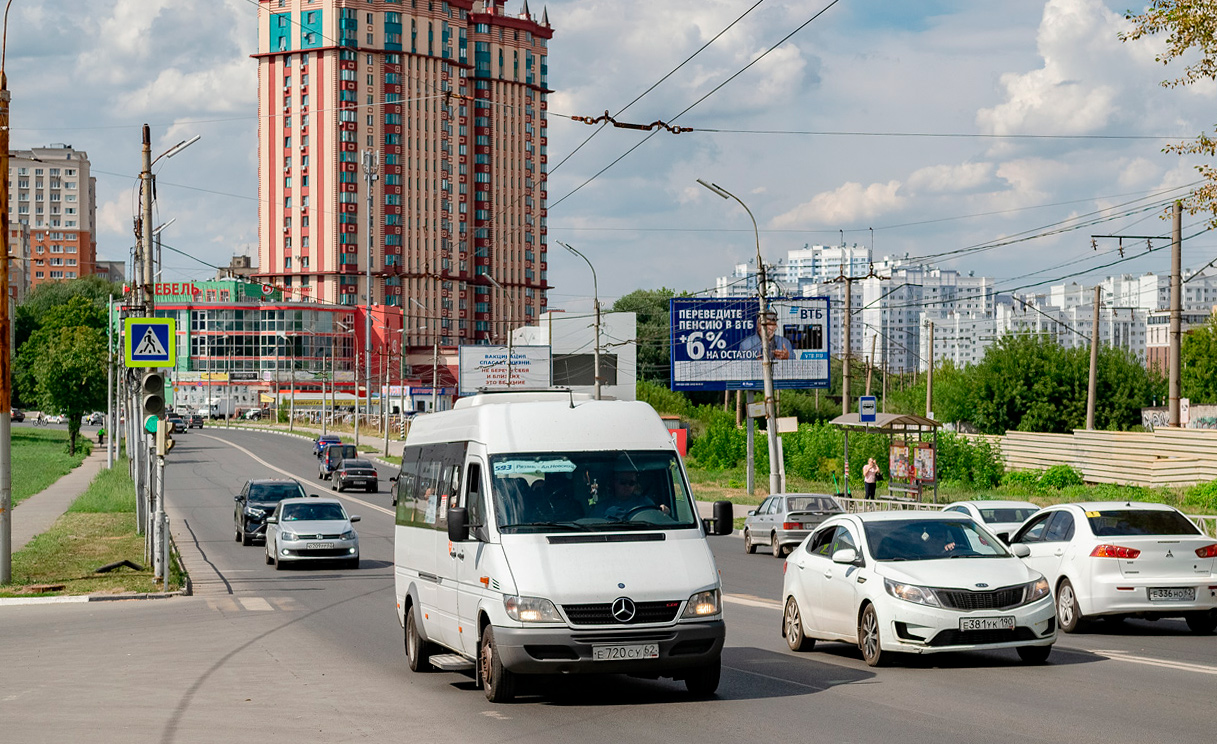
x: 1203, y: 495
x: 1060, y: 476
x: 1026, y: 480
x: 721, y: 446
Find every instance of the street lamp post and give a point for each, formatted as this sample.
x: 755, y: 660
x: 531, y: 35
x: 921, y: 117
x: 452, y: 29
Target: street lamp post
x: 596, y: 302
x: 771, y: 421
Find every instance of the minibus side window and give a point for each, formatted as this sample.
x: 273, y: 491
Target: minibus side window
x: 407, y: 485
x: 475, y: 507
x: 428, y: 490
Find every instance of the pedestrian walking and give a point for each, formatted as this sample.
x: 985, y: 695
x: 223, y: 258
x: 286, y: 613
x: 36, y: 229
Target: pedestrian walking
x: 101, y: 435
x: 871, y: 476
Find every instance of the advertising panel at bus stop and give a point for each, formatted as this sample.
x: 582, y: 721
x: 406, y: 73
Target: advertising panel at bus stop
x: 716, y: 344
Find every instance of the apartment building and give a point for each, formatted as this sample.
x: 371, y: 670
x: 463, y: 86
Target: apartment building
x: 52, y: 193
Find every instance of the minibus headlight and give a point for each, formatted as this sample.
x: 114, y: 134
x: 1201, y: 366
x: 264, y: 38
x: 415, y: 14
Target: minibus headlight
x: 702, y: 604
x: 531, y: 610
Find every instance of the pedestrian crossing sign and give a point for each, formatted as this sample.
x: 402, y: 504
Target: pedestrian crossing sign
x: 150, y: 342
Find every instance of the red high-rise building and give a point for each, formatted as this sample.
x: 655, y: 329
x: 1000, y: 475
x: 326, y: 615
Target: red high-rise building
x: 448, y: 101
x: 53, y: 194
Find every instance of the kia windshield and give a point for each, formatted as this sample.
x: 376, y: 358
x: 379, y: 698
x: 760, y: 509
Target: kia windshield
x: 928, y: 540
x: 617, y: 490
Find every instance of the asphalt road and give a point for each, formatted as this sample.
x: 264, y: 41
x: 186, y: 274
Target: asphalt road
x: 315, y: 655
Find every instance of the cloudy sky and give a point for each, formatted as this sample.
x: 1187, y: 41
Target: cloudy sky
x: 922, y: 128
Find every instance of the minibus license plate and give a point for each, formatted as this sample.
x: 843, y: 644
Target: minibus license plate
x: 625, y: 653
x: 1172, y: 594
x: 986, y: 623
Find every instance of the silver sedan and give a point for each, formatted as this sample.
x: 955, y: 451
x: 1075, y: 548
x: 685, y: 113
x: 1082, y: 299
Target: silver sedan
x: 784, y: 519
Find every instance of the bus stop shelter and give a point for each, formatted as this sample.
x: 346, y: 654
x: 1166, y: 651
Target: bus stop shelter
x: 912, y: 460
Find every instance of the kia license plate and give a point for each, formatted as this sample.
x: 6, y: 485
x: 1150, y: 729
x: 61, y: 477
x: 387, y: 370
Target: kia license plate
x: 625, y: 653
x: 1172, y: 594
x: 318, y: 546
x: 986, y: 623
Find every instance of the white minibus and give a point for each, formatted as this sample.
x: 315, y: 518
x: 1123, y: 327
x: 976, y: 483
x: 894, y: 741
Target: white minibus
x: 547, y: 533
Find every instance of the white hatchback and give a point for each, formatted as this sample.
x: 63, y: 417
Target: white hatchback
x: 920, y: 583
x: 1112, y: 559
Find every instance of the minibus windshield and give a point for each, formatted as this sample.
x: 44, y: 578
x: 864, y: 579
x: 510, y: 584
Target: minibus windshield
x: 590, y: 491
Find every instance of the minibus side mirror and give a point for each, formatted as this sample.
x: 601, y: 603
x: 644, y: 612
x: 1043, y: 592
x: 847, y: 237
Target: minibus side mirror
x: 724, y: 518
x: 458, y: 524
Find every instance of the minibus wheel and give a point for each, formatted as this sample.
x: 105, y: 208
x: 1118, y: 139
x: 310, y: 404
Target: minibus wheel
x: 703, y: 681
x: 418, y: 651
x: 498, y: 683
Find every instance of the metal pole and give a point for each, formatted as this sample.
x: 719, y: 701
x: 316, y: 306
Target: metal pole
x: 846, y: 347
x: 355, y: 377
x: 929, y: 378
x: 1092, y: 387
x: 158, y: 519
x: 1176, y: 318
x: 751, y: 448
x: 435, y: 375
x: 291, y: 410
x: 146, y: 226
x: 596, y: 303
x: 6, y: 403
x: 384, y: 408
x: 370, y: 164
x: 110, y: 428
x: 870, y: 364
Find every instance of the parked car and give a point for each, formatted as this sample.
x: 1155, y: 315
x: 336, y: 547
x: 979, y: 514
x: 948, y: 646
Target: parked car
x: 97, y: 418
x: 311, y: 529
x: 57, y: 418
x: 332, y: 456
x: 252, y: 414
x: 1001, y: 517
x: 784, y: 519
x: 195, y: 421
x: 1108, y: 559
x: 17, y: 415
x: 356, y: 473
x: 323, y: 441
x: 915, y: 582
x: 177, y: 422
x: 258, y: 499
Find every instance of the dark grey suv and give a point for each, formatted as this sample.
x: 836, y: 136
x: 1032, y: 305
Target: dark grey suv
x: 258, y: 499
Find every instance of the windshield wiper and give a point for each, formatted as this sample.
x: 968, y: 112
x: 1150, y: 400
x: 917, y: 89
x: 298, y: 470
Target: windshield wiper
x: 546, y: 525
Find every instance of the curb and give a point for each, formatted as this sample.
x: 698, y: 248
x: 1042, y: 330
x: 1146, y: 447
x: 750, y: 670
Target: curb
x: 82, y: 598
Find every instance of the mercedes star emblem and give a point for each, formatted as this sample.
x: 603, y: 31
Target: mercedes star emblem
x: 623, y: 609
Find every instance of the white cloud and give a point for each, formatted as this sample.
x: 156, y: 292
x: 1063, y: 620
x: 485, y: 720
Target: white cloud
x: 844, y: 206
x: 938, y: 179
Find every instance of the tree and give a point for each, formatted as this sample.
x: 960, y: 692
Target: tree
x: 70, y: 374
x: 45, y: 298
x: 77, y: 312
x: 1198, y: 362
x: 654, y: 330
x: 1191, y: 29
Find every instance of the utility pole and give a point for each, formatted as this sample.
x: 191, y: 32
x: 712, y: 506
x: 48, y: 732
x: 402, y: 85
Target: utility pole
x: 596, y: 303
x: 435, y: 375
x: 111, y: 429
x: 1176, y: 330
x: 870, y: 364
x: 371, y: 166
x: 1092, y: 387
x: 6, y: 367
x: 847, y: 341
x: 929, y: 378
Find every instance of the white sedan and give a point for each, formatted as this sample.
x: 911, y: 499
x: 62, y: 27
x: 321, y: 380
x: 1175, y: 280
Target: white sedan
x: 920, y: 583
x: 1001, y: 517
x: 1111, y: 559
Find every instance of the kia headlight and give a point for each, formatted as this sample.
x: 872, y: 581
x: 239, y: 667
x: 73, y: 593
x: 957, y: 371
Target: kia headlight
x: 1037, y: 589
x: 911, y: 593
x: 702, y: 604
x: 531, y: 610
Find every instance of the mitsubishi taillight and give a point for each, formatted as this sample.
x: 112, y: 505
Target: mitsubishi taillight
x: 1114, y: 551
x: 1208, y: 551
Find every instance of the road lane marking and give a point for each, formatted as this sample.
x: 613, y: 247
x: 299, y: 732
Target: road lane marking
x: 294, y: 477
x: 1182, y: 666
x: 749, y: 600
x: 255, y: 604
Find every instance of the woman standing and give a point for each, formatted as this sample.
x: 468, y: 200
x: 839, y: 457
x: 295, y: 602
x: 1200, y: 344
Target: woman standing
x: 870, y: 475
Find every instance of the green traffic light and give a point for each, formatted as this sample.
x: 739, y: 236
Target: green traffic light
x: 150, y: 424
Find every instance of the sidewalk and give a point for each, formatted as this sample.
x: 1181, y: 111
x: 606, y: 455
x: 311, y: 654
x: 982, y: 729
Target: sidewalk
x: 36, y: 514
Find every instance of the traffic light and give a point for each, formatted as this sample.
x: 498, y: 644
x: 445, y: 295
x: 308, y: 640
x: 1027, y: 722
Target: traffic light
x: 164, y: 438
x: 152, y: 393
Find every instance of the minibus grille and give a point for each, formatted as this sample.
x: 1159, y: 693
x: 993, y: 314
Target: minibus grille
x: 602, y: 613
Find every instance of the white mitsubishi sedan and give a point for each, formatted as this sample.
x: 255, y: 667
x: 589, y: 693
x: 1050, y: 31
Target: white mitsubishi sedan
x: 1113, y: 559
x: 920, y: 583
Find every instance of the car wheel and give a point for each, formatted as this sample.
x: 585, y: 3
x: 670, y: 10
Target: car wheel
x: 775, y: 547
x: 1202, y: 623
x: 868, y: 638
x: 748, y: 546
x: 702, y: 682
x: 792, y: 628
x: 352, y: 564
x: 1034, y: 654
x: 1068, y: 614
x: 373, y: 489
x: 238, y: 537
x: 247, y: 539
x: 279, y: 565
x: 498, y: 684
x: 267, y: 555
x: 336, y: 486
x: 418, y: 651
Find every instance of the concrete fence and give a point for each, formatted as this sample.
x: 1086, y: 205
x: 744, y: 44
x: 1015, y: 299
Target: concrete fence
x: 1163, y: 457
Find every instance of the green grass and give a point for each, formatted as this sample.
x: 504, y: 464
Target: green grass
x: 40, y: 457
x: 98, y: 528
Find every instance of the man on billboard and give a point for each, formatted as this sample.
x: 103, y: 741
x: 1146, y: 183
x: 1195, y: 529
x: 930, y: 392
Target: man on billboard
x: 779, y: 346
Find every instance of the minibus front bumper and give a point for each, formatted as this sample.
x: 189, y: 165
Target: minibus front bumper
x: 680, y: 647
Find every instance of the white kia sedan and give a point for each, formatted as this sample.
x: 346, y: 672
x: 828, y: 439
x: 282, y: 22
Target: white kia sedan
x: 1001, y: 517
x: 915, y: 582
x: 1112, y: 559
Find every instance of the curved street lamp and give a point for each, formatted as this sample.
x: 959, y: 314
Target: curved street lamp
x: 771, y: 420
x: 596, y: 302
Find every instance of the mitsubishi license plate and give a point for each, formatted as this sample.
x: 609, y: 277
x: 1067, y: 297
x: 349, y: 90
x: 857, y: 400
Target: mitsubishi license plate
x: 625, y: 653
x: 987, y: 623
x: 1172, y: 594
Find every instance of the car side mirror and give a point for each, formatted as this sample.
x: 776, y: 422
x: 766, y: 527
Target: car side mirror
x: 752, y: 512
x: 724, y: 517
x: 272, y: 520
x: 1020, y: 550
x: 458, y: 524
x: 354, y: 518
x: 392, y: 478
x: 313, y: 496
x: 236, y: 498
x: 846, y: 556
